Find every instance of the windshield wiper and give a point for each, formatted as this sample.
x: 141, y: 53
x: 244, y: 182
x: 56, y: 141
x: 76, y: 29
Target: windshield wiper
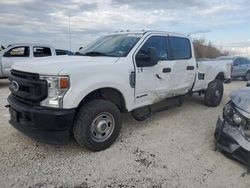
x: 95, y: 54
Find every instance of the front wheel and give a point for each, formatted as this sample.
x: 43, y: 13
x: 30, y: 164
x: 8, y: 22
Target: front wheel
x: 214, y: 93
x: 97, y: 125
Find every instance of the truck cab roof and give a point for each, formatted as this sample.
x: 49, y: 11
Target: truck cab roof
x: 143, y: 32
x: 30, y: 44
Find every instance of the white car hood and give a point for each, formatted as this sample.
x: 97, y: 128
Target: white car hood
x: 54, y: 65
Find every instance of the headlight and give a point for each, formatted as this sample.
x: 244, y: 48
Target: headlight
x: 237, y: 119
x: 57, y: 87
x: 230, y: 113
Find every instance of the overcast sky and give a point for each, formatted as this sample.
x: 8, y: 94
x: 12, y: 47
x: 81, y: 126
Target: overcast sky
x: 224, y: 22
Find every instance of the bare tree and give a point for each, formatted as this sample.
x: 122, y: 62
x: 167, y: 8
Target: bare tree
x: 204, y: 49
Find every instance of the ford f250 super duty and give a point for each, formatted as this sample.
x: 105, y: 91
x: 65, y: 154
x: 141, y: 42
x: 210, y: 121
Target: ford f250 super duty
x: 121, y: 72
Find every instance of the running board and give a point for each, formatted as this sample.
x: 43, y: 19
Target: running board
x: 143, y: 113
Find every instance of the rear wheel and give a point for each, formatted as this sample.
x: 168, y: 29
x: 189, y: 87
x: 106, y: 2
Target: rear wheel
x: 214, y: 93
x: 97, y: 125
x: 247, y: 76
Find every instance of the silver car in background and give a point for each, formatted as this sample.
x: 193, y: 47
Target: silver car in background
x: 240, y: 67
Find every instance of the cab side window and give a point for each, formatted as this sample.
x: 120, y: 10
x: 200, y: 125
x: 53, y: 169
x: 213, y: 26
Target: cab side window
x: 180, y: 47
x: 20, y: 51
x: 157, y: 42
x: 41, y: 51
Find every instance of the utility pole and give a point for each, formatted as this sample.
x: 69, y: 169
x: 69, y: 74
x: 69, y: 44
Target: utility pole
x: 69, y: 35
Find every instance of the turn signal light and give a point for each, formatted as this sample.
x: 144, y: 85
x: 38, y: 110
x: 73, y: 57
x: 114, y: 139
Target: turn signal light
x: 64, y: 83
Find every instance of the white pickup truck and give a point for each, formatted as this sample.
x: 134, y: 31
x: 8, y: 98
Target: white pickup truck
x: 121, y: 72
x: 22, y: 52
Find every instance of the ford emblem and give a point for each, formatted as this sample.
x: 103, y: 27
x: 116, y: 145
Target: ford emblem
x: 14, y: 85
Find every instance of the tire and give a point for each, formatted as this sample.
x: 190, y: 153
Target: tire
x: 97, y: 125
x: 247, y: 76
x: 214, y: 93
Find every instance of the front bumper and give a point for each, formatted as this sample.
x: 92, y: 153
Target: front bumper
x: 44, y: 124
x: 231, y: 142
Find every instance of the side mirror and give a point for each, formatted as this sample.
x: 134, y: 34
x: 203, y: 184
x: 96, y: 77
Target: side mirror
x: 147, y: 58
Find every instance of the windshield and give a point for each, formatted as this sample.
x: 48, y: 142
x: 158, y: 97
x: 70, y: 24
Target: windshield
x: 112, y: 45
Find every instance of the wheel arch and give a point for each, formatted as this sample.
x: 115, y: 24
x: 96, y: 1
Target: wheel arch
x: 220, y: 76
x: 107, y: 93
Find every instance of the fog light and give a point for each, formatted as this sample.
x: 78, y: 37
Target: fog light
x: 237, y: 119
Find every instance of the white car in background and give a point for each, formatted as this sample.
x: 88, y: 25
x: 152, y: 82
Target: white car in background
x: 22, y: 52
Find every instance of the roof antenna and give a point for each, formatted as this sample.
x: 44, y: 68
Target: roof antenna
x: 69, y: 35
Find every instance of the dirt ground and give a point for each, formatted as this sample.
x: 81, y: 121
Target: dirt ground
x: 171, y: 149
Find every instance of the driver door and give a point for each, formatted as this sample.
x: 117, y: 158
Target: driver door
x: 147, y: 77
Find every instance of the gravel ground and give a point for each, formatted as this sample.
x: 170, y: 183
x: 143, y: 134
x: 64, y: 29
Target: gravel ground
x: 171, y: 149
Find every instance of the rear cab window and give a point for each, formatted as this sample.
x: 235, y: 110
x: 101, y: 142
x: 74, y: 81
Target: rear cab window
x: 61, y: 52
x: 180, y: 48
x: 41, y: 51
x: 19, y: 51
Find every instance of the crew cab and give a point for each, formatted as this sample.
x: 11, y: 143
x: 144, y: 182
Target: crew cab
x: 120, y: 72
x: 23, y: 52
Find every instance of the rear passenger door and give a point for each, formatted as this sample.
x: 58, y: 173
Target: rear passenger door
x: 183, y: 65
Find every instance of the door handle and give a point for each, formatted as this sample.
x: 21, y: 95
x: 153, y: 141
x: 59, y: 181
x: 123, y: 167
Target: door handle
x: 190, y: 67
x: 166, y: 70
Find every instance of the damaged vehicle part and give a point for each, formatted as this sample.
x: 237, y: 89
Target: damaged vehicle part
x: 232, y: 133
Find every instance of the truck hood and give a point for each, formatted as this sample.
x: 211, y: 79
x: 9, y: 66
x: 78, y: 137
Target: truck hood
x: 241, y: 98
x: 54, y: 65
